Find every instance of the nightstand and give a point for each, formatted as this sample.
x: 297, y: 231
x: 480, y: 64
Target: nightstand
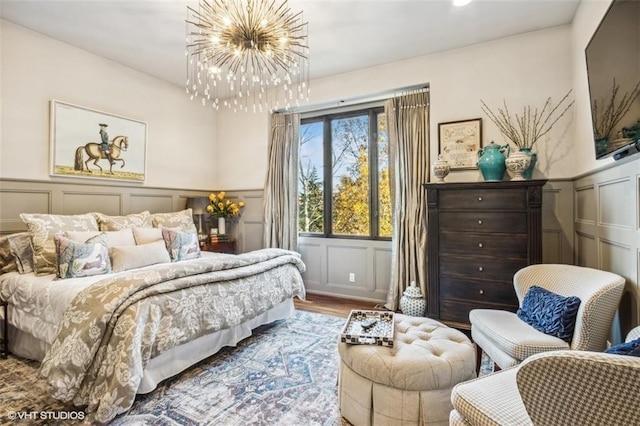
x: 220, y: 247
x: 4, y: 341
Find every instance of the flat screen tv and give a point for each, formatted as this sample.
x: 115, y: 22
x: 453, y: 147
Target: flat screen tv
x: 613, y: 67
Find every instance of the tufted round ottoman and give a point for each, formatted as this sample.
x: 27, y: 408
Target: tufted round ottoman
x: 409, y: 384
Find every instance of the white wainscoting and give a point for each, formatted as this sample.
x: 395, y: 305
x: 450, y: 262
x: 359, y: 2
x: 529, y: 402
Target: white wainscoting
x: 248, y: 232
x: 607, y: 229
x: 20, y: 196
x: 593, y: 220
x: 557, y: 222
x: 330, y: 261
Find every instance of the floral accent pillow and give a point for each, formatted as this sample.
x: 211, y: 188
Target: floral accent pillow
x: 116, y: 223
x: 42, y: 228
x: 7, y: 259
x: 76, y: 259
x: 20, y: 245
x: 182, y: 219
x: 181, y: 245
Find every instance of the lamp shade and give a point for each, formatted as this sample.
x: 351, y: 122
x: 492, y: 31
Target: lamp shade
x: 198, y: 205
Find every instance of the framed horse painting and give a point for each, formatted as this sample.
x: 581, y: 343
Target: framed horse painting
x: 93, y: 144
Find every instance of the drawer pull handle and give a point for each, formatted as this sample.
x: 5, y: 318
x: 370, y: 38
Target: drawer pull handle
x: 481, y: 291
x: 480, y: 245
x: 480, y: 222
x: 480, y: 268
x: 479, y: 198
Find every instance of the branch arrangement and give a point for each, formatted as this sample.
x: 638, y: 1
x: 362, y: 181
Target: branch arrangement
x: 526, y: 129
x: 605, y: 120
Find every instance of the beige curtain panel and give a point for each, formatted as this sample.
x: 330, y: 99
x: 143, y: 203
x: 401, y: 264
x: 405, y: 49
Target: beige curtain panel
x: 281, y: 184
x: 408, y: 120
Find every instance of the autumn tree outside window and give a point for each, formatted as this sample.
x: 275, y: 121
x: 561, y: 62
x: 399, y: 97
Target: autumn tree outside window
x: 343, y: 182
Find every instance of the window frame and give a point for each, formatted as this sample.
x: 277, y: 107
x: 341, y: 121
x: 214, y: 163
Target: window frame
x: 372, y: 111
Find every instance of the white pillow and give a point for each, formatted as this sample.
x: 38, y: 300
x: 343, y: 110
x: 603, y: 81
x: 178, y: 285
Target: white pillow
x: 123, y: 237
x: 124, y: 258
x: 147, y: 235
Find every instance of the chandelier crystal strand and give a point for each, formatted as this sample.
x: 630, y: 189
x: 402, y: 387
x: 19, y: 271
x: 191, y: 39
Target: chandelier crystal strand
x: 248, y: 55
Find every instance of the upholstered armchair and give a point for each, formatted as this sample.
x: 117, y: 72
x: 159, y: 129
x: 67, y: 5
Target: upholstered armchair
x: 508, y: 340
x: 554, y: 388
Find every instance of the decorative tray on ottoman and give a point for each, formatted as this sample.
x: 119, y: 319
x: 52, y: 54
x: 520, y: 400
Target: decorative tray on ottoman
x: 369, y: 328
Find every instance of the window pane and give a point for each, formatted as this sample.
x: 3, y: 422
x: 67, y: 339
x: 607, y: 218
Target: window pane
x: 310, y: 178
x: 384, y: 195
x: 350, y: 175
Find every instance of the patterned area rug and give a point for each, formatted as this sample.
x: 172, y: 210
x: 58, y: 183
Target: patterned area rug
x: 285, y: 374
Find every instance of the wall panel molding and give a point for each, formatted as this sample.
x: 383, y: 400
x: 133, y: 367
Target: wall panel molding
x: 557, y: 222
x: 612, y: 241
x: 586, y: 221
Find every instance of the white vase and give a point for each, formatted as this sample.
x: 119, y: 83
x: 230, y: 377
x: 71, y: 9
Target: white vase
x: 517, y: 162
x: 412, y: 303
x: 440, y: 169
x: 221, y: 226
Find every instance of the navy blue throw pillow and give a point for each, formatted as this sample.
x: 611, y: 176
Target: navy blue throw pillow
x: 549, y: 312
x: 631, y: 348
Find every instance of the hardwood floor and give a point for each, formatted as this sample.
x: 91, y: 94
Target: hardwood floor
x: 332, y: 305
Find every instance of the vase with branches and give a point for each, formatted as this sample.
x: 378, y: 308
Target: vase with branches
x: 528, y: 127
x: 609, y: 112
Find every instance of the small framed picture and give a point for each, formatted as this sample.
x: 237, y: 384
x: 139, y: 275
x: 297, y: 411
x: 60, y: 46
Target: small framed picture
x: 459, y: 142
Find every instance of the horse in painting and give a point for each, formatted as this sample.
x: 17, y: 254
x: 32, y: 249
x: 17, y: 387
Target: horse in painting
x: 118, y: 145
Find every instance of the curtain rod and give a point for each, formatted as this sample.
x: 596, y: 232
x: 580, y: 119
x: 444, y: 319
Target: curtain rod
x: 355, y: 100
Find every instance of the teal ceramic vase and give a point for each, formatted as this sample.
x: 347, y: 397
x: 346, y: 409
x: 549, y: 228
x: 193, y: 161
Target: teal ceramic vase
x: 491, y: 161
x: 528, y: 173
x: 601, y: 145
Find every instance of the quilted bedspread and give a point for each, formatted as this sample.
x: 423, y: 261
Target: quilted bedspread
x: 114, y: 327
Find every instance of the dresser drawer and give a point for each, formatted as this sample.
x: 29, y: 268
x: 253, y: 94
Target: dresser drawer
x: 468, y: 243
x: 458, y: 312
x: 475, y: 199
x: 478, y: 291
x: 479, y: 267
x: 508, y: 223
x: 481, y: 234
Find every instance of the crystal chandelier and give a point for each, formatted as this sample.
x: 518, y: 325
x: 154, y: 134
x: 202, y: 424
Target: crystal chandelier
x: 247, y: 54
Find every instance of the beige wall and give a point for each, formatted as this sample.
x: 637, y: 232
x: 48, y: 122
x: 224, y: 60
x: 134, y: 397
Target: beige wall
x: 181, y: 143
x: 523, y: 70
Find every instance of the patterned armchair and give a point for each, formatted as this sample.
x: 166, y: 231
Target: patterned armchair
x: 508, y: 340
x: 554, y: 388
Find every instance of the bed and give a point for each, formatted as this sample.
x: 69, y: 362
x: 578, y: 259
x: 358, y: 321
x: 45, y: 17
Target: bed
x: 102, y: 339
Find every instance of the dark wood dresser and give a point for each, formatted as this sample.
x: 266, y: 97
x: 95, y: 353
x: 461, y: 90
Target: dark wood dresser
x: 479, y: 234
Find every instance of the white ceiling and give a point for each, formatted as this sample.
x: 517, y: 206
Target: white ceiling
x: 344, y: 35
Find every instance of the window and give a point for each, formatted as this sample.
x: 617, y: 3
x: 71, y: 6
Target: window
x: 343, y: 184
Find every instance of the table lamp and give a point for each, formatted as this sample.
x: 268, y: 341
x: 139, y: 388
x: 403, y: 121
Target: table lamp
x: 199, y: 207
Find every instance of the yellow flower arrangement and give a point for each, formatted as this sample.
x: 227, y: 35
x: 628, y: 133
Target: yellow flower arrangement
x: 219, y: 206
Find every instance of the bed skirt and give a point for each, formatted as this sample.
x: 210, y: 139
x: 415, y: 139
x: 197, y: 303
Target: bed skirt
x: 174, y: 360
